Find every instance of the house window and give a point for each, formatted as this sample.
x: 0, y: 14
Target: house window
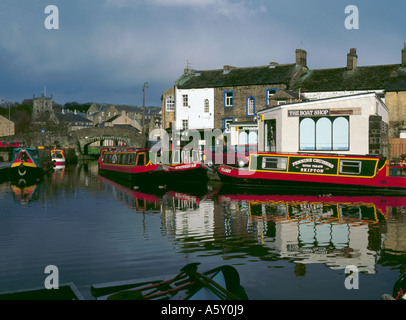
x: 185, y: 124
x: 250, y: 106
x: 324, y: 134
x: 226, y: 123
x: 228, y: 98
x: 269, y: 94
x: 185, y: 100
x: 170, y: 103
x: 206, y: 105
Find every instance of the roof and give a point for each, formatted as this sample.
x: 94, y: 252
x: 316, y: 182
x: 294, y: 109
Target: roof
x: 398, y: 81
x: 71, y: 117
x: 284, y: 94
x: 261, y: 75
x: 342, y: 79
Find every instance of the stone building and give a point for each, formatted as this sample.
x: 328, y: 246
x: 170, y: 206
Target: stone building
x: 43, y: 109
x: 168, y: 108
x: 213, y: 99
x: 6, y: 127
x: 100, y: 113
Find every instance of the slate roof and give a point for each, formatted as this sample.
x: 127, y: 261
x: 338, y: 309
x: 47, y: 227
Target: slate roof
x: 71, y: 117
x: 398, y: 82
x: 341, y: 79
x: 284, y: 94
x: 261, y: 75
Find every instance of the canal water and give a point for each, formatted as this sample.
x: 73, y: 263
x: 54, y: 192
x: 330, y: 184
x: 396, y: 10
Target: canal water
x: 284, y: 245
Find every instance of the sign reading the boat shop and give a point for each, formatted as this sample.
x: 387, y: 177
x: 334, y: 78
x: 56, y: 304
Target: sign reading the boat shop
x: 309, y: 113
x: 313, y: 165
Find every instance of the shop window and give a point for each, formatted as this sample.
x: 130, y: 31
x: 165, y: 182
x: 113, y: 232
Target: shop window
x: 307, y: 135
x: 341, y: 134
x: 324, y: 134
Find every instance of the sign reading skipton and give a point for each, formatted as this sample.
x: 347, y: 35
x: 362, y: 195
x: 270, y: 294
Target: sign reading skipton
x: 313, y: 165
x: 309, y: 113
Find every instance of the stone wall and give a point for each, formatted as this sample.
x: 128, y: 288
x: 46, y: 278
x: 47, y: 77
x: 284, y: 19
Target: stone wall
x: 378, y: 136
x: 6, y: 127
x: 396, y: 103
x: 239, y: 111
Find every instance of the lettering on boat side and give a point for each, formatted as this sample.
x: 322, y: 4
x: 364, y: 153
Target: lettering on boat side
x: 51, y: 281
x: 352, y: 278
x: 312, y: 165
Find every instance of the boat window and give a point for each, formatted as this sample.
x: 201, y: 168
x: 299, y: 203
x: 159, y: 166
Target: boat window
x: 274, y: 163
x: 186, y: 156
x: 176, y: 156
x: 195, y: 155
x: 124, y: 158
x: 350, y: 167
x: 141, y: 159
x: 131, y: 158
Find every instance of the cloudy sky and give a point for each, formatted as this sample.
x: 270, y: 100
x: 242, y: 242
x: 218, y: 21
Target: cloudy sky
x: 105, y: 50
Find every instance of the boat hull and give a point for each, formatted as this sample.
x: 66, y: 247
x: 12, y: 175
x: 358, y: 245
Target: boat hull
x: 284, y: 181
x: 186, y: 173
x: 145, y: 178
x: 332, y: 172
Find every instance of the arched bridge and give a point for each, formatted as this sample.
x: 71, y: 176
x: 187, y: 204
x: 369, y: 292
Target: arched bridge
x: 127, y: 135
x: 81, y: 139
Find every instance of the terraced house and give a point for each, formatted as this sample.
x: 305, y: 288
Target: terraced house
x: 227, y: 97
x: 209, y: 99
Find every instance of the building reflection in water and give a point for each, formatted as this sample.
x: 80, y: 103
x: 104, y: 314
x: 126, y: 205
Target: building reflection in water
x: 333, y: 230
x: 336, y: 231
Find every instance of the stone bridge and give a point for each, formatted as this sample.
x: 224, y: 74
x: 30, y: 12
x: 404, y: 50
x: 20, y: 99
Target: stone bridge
x: 80, y: 139
x: 127, y: 135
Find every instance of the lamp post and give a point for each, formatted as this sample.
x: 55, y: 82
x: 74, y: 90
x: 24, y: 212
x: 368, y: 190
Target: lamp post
x: 143, y: 107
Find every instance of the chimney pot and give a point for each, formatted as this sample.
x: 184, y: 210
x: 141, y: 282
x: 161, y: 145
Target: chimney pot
x: 404, y: 56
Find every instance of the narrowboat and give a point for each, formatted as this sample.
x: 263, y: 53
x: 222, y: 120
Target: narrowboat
x: 134, y: 166
x: 58, y: 157
x: 325, y: 171
x: 184, y: 165
x: 29, y: 163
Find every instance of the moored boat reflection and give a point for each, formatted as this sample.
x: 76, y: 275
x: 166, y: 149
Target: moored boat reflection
x: 335, y: 230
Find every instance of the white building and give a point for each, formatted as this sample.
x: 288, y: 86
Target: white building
x: 347, y: 125
x: 194, y: 108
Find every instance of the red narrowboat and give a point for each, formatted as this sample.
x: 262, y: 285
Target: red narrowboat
x: 133, y: 165
x: 342, y: 172
x: 184, y: 165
